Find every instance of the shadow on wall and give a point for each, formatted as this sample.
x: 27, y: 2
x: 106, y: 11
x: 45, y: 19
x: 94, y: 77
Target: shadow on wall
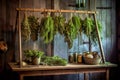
x: 7, y: 33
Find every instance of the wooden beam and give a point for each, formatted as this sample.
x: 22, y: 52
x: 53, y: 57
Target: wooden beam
x: 86, y: 76
x: 107, y: 74
x: 99, y: 40
x: 19, y: 39
x: 19, y: 36
x: 55, y: 10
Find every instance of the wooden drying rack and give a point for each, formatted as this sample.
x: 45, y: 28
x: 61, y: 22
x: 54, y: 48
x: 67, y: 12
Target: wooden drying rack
x: 55, y: 11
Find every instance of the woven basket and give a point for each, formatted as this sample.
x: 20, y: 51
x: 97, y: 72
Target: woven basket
x: 93, y: 61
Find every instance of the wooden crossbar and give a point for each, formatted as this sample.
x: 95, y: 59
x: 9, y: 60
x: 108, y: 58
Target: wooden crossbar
x: 53, y: 10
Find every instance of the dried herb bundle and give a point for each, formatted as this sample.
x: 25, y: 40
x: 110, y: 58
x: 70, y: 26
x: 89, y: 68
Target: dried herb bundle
x: 25, y: 28
x: 47, y: 28
x: 59, y: 24
x: 34, y: 27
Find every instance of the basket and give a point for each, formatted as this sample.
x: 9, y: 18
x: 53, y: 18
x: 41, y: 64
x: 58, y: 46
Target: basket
x: 93, y: 61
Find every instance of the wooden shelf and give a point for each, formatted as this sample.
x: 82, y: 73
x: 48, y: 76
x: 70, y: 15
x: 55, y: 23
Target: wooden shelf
x: 15, y: 67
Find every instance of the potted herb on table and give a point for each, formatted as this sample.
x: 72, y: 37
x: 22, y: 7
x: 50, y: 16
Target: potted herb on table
x: 33, y: 56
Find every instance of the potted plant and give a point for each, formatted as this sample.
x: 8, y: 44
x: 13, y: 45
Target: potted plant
x: 33, y: 56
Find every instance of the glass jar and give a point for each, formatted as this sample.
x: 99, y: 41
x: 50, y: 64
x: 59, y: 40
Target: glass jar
x: 70, y: 58
x: 79, y: 58
x: 75, y: 57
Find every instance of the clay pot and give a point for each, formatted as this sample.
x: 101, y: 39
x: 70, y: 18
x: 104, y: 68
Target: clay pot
x: 36, y: 61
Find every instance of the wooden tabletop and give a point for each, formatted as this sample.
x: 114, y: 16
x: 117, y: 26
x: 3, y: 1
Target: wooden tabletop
x: 16, y: 67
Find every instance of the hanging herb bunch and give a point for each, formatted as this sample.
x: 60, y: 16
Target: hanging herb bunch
x: 34, y: 26
x: 46, y: 29
x: 50, y: 25
x: 59, y: 23
x: 77, y: 22
x: 94, y: 32
x: 71, y: 30
x: 89, y: 28
x: 25, y: 28
x: 67, y: 36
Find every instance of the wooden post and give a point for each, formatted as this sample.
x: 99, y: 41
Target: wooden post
x: 21, y: 77
x: 19, y: 36
x: 99, y: 39
x: 107, y: 74
x: 86, y: 77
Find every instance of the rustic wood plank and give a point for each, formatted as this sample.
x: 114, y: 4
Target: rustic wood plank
x: 3, y: 16
x: 15, y: 67
x: 107, y: 75
x: 99, y: 40
x: 108, y: 29
x: 27, y: 3
x: 3, y: 32
x: 86, y: 77
x: 21, y: 77
x: 57, y: 10
x: 48, y: 4
x: 59, y: 70
x: 103, y: 7
x: 113, y: 33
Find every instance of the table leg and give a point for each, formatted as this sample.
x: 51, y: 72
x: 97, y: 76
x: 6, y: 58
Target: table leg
x: 86, y: 77
x: 107, y: 74
x: 21, y: 77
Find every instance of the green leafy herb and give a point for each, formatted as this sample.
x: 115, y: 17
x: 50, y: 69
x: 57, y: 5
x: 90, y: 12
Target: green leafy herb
x: 55, y: 61
x: 34, y: 27
x: 25, y: 28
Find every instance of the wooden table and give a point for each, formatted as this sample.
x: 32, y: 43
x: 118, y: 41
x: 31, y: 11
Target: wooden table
x: 41, y: 70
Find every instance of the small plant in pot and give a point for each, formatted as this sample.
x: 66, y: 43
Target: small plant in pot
x: 33, y: 56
